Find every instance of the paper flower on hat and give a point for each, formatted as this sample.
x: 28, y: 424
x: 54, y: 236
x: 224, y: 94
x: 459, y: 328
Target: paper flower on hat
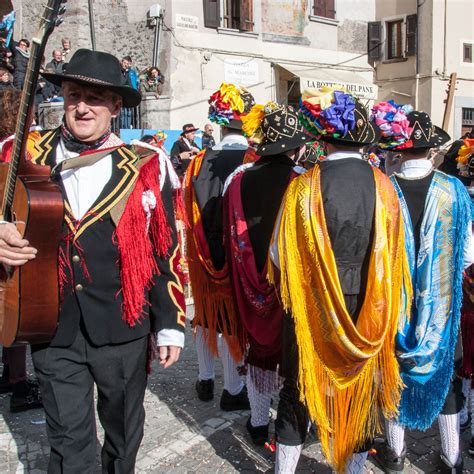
x: 228, y: 103
x: 252, y: 122
x: 160, y: 137
x: 327, y: 111
x: 392, y: 120
x: 465, y: 158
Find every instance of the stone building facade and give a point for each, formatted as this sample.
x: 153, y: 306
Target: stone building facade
x: 275, y: 47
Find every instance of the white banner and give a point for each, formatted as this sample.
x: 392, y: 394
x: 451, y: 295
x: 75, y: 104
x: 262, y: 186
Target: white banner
x: 240, y: 72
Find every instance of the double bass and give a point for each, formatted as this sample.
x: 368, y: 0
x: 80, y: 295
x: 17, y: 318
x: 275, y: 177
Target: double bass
x: 29, y: 295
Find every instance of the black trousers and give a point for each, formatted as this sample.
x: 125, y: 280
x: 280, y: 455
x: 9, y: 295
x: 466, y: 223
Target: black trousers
x: 67, y: 377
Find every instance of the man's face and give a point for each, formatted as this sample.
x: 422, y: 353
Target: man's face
x: 190, y: 136
x: 22, y: 45
x: 57, y: 56
x: 4, y: 76
x: 125, y: 64
x: 208, y: 129
x: 89, y: 110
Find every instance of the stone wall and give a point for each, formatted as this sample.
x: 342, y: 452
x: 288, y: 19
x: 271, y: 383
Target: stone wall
x: 114, y: 33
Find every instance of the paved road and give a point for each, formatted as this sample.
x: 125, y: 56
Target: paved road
x: 185, y: 435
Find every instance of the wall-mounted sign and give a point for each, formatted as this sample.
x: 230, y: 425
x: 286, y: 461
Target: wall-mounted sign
x: 237, y: 71
x: 361, y: 91
x: 187, y: 22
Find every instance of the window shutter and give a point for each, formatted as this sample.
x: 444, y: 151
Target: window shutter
x: 212, y: 13
x: 374, y: 41
x: 246, y: 15
x: 319, y: 7
x: 411, y: 35
x: 329, y: 7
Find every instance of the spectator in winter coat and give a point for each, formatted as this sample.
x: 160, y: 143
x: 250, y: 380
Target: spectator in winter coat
x: 21, y: 55
x: 152, y: 82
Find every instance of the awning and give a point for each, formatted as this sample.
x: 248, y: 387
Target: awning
x: 313, y: 78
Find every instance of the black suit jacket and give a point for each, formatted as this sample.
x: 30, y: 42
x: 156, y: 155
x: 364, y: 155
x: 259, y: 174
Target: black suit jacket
x: 95, y: 302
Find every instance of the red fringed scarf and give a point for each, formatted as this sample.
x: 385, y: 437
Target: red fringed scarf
x: 259, y: 308
x: 138, y: 246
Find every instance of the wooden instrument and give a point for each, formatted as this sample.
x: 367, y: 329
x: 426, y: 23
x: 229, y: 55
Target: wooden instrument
x: 29, y: 295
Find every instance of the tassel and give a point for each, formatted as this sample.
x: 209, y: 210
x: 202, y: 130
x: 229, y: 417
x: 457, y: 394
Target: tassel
x: 138, y: 250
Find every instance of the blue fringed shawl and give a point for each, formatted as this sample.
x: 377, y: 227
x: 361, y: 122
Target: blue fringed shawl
x: 426, y: 339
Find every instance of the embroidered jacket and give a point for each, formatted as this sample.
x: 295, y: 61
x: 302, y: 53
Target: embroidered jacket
x: 92, y: 292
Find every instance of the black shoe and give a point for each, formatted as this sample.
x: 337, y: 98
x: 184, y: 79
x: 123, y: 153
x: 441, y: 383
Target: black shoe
x: 235, y: 402
x: 471, y: 447
x: 25, y: 396
x: 205, y: 390
x: 387, y: 460
x: 259, y: 434
x: 445, y: 467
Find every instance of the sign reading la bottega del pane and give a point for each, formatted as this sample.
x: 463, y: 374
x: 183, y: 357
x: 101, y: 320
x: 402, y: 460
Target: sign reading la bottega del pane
x: 361, y: 91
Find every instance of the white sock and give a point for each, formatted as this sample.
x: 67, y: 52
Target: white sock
x: 233, y: 382
x: 206, y: 360
x: 356, y: 462
x: 450, y: 437
x: 287, y: 458
x: 259, y: 401
x: 395, y: 436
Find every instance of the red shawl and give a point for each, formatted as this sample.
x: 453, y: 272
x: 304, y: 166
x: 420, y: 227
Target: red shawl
x: 259, y: 309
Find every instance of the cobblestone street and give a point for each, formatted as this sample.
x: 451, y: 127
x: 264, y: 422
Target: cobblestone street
x: 185, y: 435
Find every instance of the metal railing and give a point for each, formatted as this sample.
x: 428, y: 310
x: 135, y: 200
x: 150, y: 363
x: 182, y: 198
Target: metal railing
x: 129, y: 117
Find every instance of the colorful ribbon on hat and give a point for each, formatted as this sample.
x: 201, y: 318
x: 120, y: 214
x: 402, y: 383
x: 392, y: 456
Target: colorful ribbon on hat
x: 392, y: 120
x: 327, y: 111
x: 226, y: 104
x: 465, y: 155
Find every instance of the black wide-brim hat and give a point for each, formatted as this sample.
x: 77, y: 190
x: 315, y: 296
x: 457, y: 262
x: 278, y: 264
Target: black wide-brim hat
x: 97, y: 69
x: 187, y: 128
x: 282, y: 132
x: 364, y: 133
x: 424, y: 134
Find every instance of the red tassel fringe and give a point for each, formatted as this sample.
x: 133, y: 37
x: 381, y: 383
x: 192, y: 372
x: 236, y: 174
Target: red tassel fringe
x: 137, y: 251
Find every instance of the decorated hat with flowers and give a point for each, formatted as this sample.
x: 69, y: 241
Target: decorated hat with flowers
x: 229, y: 104
x: 275, y: 128
x: 393, y: 122
x: 336, y: 116
x: 465, y: 158
x: 406, y: 129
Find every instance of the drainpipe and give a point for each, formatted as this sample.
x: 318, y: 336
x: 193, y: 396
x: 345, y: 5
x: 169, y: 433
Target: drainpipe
x: 91, y: 23
x: 445, y: 35
x: 417, y: 59
x: 156, y: 43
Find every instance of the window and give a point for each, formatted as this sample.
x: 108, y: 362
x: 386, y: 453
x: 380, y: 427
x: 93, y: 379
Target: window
x: 394, y: 39
x: 467, y: 120
x: 236, y: 14
x: 467, y: 53
x: 324, y: 8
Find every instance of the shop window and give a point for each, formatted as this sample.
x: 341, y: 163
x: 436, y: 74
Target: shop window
x: 467, y: 120
x: 467, y: 53
x: 394, y: 39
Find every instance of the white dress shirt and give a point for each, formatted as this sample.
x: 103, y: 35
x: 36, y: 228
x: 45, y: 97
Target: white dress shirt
x: 232, y: 141
x: 83, y: 186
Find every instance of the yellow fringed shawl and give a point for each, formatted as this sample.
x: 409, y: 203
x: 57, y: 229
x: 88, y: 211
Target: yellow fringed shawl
x: 347, y: 373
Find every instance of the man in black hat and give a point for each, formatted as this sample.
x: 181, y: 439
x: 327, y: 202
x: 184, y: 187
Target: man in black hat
x: 252, y: 199
x: 211, y: 289
x: 184, y: 148
x: 437, y: 217
x: 118, y: 261
x: 329, y: 215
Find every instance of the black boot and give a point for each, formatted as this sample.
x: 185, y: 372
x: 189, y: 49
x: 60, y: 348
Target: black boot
x: 25, y: 396
x: 446, y: 468
x: 387, y: 460
x: 205, y: 390
x: 235, y: 402
x: 5, y: 385
x: 259, y: 434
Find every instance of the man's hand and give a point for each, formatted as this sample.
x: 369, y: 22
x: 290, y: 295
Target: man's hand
x: 195, y: 150
x: 169, y: 355
x: 14, y: 250
x: 184, y: 155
